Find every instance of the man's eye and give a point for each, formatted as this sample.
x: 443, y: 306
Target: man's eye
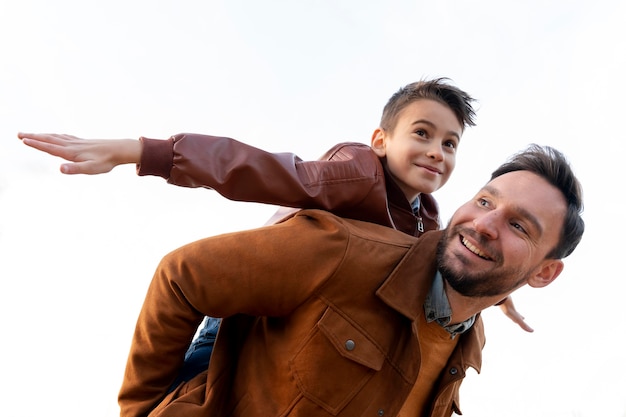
x: 519, y: 227
x: 483, y: 202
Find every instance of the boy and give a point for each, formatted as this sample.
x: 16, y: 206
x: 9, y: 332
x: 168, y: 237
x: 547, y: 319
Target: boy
x: 412, y: 154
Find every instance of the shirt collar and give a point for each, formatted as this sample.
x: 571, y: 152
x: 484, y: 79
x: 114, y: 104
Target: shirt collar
x: 415, y: 205
x: 437, y: 308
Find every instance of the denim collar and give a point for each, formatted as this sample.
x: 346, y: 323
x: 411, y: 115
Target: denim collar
x: 415, y: 205
x: 437, y: 308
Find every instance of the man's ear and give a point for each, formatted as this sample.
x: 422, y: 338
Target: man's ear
x: 378, y: 142
x: 550, y: 269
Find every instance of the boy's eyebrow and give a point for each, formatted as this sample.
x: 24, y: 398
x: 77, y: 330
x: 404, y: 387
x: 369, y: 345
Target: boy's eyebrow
x: 431, y: 124
x: 521, y: 210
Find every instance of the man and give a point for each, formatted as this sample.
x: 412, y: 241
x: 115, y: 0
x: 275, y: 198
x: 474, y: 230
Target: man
x: 331, y: 317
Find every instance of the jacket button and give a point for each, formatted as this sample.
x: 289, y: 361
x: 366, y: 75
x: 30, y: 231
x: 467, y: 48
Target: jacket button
x: 381, y: 412
x: 453, y: 371
x: 350, y: 344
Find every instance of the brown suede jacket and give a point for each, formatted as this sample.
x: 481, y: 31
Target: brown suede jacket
x: 349, y: 180
x: 319, y: 321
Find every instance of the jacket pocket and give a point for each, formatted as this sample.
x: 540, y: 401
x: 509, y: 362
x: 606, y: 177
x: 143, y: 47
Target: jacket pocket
x: 335, y: 362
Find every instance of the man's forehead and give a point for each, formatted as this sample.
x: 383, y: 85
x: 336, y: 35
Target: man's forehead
x: 514, y: 181
x: 530, y: 194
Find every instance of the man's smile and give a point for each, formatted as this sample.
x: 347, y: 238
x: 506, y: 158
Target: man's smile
x: 474, y: 249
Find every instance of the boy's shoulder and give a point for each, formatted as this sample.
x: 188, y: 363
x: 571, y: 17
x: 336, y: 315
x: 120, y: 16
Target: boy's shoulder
x: 347, y: 149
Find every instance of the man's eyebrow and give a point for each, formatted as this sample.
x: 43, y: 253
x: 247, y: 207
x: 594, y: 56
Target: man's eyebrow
x: 431, y: 124
x: 521, y: 210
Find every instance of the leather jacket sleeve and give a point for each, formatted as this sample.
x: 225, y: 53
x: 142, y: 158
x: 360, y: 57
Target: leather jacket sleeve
x: 348, y: 180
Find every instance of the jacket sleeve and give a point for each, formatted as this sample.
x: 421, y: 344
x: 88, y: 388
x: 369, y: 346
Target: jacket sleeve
x: 262, y: 272
x: 347, y: 175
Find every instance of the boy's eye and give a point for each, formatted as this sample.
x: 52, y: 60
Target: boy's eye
x: 450, y: 144
x: 420, y: 132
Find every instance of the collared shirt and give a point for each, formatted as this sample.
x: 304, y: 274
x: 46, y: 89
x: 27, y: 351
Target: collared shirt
x: 437, y: 308
x: 415, y: 206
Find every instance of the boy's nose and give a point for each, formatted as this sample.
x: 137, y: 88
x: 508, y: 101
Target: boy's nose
x: 435, y: 152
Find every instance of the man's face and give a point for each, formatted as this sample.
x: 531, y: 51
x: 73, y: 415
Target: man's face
x: 421, y: 149
x: 499, y: 240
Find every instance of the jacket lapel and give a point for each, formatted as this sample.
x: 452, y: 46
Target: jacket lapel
x: 407, y: 286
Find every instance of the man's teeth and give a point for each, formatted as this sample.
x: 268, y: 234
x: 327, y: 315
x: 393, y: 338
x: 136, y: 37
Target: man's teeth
x: 474, y: 249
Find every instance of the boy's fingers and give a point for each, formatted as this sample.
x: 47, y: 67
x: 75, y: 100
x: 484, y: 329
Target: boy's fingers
x: 41, y: 137
x: 519, y: 319
x: 51, y: 148
x: 77, y: 168
x: 86, y: 167
x: 47, y: 138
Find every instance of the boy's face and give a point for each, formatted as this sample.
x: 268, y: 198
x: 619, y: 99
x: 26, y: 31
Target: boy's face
x: 421, y: 150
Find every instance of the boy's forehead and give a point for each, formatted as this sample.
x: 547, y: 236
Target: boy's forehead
x: 425, y: 105
x: 430, y: 110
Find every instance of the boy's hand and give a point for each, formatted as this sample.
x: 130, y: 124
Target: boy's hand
x: 87, y: 156
x: 508, y: 308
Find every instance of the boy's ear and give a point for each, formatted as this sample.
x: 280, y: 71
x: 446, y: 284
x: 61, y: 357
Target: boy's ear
x: 547, y: 273
x: 378, y: 142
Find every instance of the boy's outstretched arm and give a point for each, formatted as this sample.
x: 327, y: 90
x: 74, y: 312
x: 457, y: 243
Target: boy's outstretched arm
x: 87, y: 156
x: 508, y: 308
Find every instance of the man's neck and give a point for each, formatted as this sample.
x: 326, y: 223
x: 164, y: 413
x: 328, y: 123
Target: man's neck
x: 465, y: 307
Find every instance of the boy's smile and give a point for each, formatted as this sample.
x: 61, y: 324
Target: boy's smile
x: 420, y: 151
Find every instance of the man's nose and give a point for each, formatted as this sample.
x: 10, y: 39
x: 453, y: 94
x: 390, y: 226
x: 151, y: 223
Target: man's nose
x: 487, y: 224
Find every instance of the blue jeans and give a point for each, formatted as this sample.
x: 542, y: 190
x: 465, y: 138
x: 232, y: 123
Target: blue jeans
x: 199, y: 352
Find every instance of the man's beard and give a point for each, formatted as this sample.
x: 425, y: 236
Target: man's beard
x: 476, y: 283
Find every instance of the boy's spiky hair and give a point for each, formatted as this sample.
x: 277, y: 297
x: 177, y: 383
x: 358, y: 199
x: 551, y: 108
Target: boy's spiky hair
x: 438, y: 89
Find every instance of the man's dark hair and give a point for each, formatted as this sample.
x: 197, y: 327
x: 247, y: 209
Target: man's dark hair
x: 552, y: 165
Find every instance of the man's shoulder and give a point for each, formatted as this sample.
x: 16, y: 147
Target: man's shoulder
x: 362, y: 229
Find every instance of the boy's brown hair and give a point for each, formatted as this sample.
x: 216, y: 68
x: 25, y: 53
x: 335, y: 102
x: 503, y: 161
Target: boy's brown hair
x: 438, y: 90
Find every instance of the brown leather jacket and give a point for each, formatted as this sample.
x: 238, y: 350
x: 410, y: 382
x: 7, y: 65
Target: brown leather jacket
x: 349, y: 180
x: 340, y: 340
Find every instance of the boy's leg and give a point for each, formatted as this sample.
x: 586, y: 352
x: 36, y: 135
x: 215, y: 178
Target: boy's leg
x: 199, y: 353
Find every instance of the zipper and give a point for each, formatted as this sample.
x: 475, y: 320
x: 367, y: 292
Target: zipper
x: 420, y: 225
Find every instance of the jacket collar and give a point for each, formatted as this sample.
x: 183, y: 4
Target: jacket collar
x: 408, y: 285
x: 400, y: 212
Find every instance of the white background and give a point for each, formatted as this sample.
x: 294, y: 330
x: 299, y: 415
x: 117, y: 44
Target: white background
x: 77, y: 253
